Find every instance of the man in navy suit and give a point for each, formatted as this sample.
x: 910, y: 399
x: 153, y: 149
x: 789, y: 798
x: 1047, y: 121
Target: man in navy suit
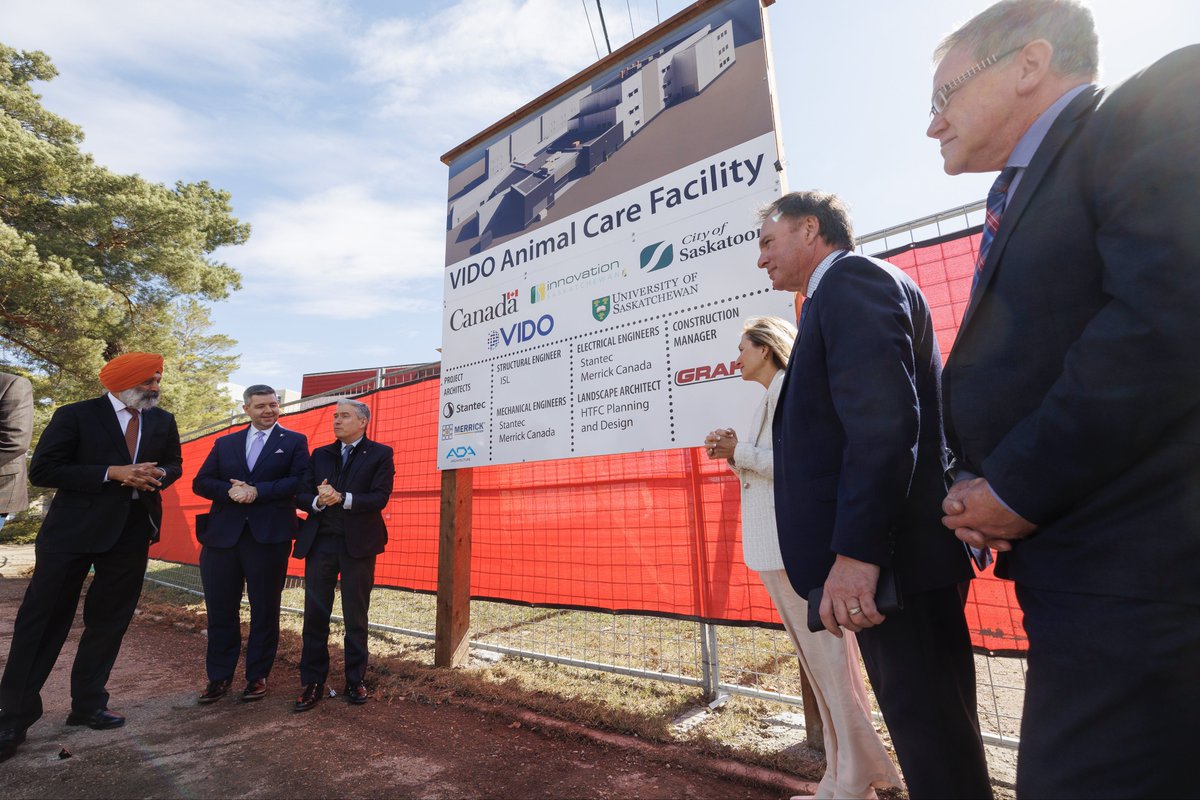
x: 1073, y: 390
x: 109, y: 458
x: 859, y: 479
x: 346, y: 488
x: 251, y: 476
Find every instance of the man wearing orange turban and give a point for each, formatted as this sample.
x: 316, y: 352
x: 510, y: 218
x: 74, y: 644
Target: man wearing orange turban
x: 109, y: 458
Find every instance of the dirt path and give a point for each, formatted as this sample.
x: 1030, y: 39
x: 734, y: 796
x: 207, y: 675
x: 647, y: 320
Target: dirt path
x: 388, y: 748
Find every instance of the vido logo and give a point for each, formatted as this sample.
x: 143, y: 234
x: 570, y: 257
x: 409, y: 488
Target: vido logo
x: 520, y: 332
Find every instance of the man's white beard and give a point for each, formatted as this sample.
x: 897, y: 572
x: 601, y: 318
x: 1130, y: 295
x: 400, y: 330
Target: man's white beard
x: 137, y: 398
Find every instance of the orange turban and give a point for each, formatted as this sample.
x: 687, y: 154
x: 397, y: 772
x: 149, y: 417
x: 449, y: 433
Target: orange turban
x: 130, y: 369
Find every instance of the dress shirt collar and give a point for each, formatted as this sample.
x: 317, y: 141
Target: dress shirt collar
x: 253, y: 430
x: 117, y: 405
x: 821, y: 269
x: 1028, y: 144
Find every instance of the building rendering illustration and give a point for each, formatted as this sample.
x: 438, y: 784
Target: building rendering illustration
x: 521, y: 174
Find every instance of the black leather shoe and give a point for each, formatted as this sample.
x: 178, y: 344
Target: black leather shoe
x: 255, y: 690
x: 312, y: 694
x: 10, y: 740
x: 99, y: 720
x: 356, y: 693
x: 215, y: 691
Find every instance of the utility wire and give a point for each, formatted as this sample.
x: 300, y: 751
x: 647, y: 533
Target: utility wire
x: 590, y: 31
x: 603, y: 26
x: 632, y: 32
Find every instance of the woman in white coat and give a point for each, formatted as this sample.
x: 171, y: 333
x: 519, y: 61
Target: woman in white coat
x: 856, y: 761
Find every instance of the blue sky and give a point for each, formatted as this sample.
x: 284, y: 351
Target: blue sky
x: 326, y: 118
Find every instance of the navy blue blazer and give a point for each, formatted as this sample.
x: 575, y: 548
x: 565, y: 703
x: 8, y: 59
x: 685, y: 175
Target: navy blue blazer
x: 1074, y: 383
x: 859, y: 450
x: 369, y: 476
x: 276, y: 476
x: 73, y: 454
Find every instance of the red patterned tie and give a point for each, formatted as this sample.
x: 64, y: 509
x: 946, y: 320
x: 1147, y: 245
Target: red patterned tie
x: 131, y: 433
x: 996, y: 200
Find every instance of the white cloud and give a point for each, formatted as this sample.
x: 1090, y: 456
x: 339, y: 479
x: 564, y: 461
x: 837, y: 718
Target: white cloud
x: 479, y: 58
x: 343, y: 253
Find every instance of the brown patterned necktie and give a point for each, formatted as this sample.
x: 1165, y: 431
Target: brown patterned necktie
x: 131, y: 433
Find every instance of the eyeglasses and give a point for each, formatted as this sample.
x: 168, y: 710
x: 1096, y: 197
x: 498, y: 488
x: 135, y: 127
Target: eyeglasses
x: 942, y: 96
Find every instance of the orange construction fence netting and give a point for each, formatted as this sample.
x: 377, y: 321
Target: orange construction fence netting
x: 652, y: 533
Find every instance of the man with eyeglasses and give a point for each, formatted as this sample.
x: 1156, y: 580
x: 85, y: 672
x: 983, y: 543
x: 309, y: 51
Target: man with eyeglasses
x: 1072, y: 394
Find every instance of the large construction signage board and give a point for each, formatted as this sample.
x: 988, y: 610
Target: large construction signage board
x: 601, y: 253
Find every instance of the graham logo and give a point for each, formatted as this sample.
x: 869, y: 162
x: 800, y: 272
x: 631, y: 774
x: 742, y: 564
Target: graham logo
x: 706, y: 373
x: 659, y: 254
x: 448, y: 410
x: 537, y: 293
x: 601, y: 306
x: 520, y: 332
x: 460, y: 452
x: 447, y: 432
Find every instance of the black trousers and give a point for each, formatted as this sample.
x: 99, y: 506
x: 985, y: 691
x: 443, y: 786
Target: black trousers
x: 262, y: 570
x: 48, y: 610
x: 1112, y: 695
x: 923, y: 672
x: 326, y: 560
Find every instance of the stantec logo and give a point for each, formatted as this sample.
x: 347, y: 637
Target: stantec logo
x: 520, y: 332
x: 706, y: 373
x: 460, y: 452
x: 448, y: 410
x: 659, y: 255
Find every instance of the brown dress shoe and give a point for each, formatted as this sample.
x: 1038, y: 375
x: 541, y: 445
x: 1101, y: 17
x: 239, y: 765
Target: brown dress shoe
x: 255, y: 690
x: 214, y: 692
x: 312, y: 694
x: 356, y: 693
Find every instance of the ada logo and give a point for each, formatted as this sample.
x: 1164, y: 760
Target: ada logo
x: 706, y: 373
x: 460, y: 452
x: 661, y: 257
x: 601, y: 306
x: 448, y: 410
x: 447, y: 432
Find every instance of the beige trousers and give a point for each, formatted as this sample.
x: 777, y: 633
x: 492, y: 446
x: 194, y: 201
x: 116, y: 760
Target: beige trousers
x: 856, y: 762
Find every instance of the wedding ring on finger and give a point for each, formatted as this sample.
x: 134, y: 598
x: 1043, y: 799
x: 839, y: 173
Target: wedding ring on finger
x: 853, y: 611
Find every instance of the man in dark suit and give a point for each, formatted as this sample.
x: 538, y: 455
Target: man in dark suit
x: 346, y: 488
x: 1073, y: 390
x: 109, y: 458
x: 859, y: 478
x: 16, y: 432
x: 252, y: 477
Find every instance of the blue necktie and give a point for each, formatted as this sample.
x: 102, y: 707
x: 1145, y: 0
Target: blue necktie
x: 255, y: 449
x: 997, y: 199
x: 346, y: 450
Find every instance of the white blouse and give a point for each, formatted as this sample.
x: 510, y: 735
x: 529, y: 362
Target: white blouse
x: 754, y: 463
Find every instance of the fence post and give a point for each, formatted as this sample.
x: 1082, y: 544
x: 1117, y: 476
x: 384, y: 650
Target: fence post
x: 710, y: 665
x: 452, y: 629
x: 814, y: 729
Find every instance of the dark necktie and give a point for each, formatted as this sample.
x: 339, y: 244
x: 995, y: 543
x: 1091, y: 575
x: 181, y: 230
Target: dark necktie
x: 997, y: 199
x: 347, y: 449
x: 131, y: 433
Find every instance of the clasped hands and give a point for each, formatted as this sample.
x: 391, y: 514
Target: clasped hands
x: 145, y: 477
x: 242, y: 492
x: 978, y: 518
x: 721, y: 443
x: 327, y: 495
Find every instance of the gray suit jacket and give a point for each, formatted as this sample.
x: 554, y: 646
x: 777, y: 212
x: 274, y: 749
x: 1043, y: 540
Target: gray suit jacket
x: 16, y: 431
